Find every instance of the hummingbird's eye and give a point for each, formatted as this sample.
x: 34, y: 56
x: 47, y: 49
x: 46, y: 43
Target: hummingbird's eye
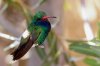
x: 38, y: 18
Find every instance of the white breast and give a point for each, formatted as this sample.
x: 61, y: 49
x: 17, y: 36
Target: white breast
x: 25, y: 34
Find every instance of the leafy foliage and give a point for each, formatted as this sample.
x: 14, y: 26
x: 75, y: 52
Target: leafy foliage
x: 92, y: 62
x: 85, y: 48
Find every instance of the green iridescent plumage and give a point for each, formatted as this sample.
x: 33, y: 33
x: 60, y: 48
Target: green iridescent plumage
x: 37, y: 31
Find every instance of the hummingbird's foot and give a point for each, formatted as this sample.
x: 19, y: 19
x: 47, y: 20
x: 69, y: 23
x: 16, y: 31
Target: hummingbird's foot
x: 41, y: 46
x: 34, y: 45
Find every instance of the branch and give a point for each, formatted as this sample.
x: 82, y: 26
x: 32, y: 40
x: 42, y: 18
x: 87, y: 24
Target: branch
x: 7, y: 36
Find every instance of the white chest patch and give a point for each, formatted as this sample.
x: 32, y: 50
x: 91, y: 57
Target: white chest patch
x: 25, y: 34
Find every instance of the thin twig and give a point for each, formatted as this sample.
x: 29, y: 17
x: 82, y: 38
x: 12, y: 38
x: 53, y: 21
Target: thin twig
x: 65, y: 47
x: 6, y: 36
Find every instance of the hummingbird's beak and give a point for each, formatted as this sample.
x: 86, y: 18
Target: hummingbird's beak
x: 51, y: 17
x: 46, y: 17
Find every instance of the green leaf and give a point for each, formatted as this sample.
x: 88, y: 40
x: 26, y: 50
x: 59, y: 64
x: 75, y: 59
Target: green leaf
x: 85, y: 48
x: 98, y: 32
x: 49, y: 38
x: 96, y: 41
x: 41, y: 52
x: 72, y: 41
x: 92, y: 62
x: 52, y: 42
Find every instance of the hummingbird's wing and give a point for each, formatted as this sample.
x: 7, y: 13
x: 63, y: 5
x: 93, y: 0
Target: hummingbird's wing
x: 25, y: 44
x: 27, y: 40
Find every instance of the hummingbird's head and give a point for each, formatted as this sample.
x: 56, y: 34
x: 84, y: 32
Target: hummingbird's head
x: 40, y: 15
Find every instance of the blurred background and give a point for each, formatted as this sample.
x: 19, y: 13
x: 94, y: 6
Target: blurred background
x: 73, y: 41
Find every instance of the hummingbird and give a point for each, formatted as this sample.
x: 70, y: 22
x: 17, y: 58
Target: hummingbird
x: 37, y: 31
